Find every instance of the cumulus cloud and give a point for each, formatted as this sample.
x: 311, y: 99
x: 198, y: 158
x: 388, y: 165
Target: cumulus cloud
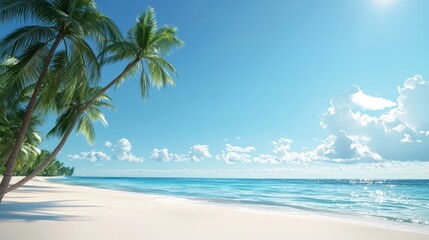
x: 369, y: 102
x: 162, y: 155
x: 236, y: 154
x: 199, y: 152
x: 412, y: 104
x: 390, y: 131
x: 108, y: 144
x: 339, y: 148
x: 92, y: 156
x: 196, y: 153
x: 122, y: 151
x: 342, y: 148
x: 360, y: 129
x: 396, y: 134
x: 282, y: 153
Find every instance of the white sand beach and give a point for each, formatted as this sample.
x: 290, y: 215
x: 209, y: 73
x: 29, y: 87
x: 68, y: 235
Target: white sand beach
x: 44, y: 210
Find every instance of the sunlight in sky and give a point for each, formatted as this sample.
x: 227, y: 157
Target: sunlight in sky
x: 384, y: 3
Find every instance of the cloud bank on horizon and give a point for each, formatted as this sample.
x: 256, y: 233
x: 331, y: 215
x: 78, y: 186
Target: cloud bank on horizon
x: 361, y: 128
x: 120, y: 151
x: 196, y: 153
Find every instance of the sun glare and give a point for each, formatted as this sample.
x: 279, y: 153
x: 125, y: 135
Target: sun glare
x: 384, y: 3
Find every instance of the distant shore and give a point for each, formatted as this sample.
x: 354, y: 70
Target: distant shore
x: 45, y: 210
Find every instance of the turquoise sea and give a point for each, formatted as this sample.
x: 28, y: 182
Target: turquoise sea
x: 400, y: 201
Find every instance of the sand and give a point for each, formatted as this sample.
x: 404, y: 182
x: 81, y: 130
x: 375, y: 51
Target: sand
x: 44, y: 210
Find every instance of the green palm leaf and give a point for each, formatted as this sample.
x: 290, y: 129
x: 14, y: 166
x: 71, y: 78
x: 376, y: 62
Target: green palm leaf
x: 145, y: 43
x: 24, y: 37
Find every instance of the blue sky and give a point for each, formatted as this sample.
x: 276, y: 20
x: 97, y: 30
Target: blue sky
x: 274, y: 88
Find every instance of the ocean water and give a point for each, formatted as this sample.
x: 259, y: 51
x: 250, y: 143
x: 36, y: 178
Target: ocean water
x: 400, y: 201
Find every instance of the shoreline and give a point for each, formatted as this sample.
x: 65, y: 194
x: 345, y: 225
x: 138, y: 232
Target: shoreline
x: 68, y: 206
x: 371, y: 221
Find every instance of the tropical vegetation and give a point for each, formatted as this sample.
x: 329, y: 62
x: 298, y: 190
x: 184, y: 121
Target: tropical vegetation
x: 49, y: 68
x: 56, y: 168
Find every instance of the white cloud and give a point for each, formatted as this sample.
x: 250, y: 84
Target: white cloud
x: 369, y: 102
x: 108, y: 144
x: 413, y: 103
x: 400, y: 128
x: 199, y: 152
x: 162, y: 155
x: 392, y: 131
x: 236, y: 154
x: 92, y: 156
x: 196, y: 153
x: 407, y: 138
x: 282, y: 153
x: 343, y: 148
x: 231, y: 148
x: 265, y: 158
x: 399, y: 133
x: 122, y: 151
x: 338, y: 148
x: 396, y: 134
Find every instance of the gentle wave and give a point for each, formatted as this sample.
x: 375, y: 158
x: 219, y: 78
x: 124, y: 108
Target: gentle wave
x: 404, y: 201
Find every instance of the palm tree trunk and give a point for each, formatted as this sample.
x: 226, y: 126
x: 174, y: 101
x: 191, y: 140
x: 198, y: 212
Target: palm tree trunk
x: 52, y: 156
x: 10, y: 163
x: 46, y: 163
x: 108, y: 86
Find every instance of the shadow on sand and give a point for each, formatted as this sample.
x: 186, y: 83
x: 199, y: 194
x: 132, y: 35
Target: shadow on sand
x: 36, y: 211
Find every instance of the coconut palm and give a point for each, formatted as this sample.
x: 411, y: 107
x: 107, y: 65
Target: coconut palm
x: 55, y: 168
x: 69, y: 116
x: 9, y: 126
x: 58, y: 22
x: 11, y: 114
x: 144, y: 49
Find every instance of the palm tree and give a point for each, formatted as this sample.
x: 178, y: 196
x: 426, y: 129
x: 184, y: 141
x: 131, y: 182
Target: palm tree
x: 70, y: 115
x: 11, y: 114
x: 59, y: 22
x: 55, y: 168
x: 144, y: 49
x: 9, y: 126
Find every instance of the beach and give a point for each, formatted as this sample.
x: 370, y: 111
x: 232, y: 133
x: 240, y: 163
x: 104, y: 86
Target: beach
x: 45, y: 210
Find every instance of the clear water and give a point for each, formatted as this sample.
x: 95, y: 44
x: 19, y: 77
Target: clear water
x: 405, y: 201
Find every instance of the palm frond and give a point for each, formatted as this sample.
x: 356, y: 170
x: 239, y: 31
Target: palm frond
x: 22, y: 38
x: 63, y: 123
x: 39, y: 11
x: 26, y: 70
x: 117, y: 51
x: 165, y: 40
x: 163, y: 63
x: 47, y: 101
x: 86, y: 128
x: 101, y: 28
x: 145, y: 27
x: 89, y: 58
x: 131, y: 72
x: 144, y: 84
x: 160, y: 77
